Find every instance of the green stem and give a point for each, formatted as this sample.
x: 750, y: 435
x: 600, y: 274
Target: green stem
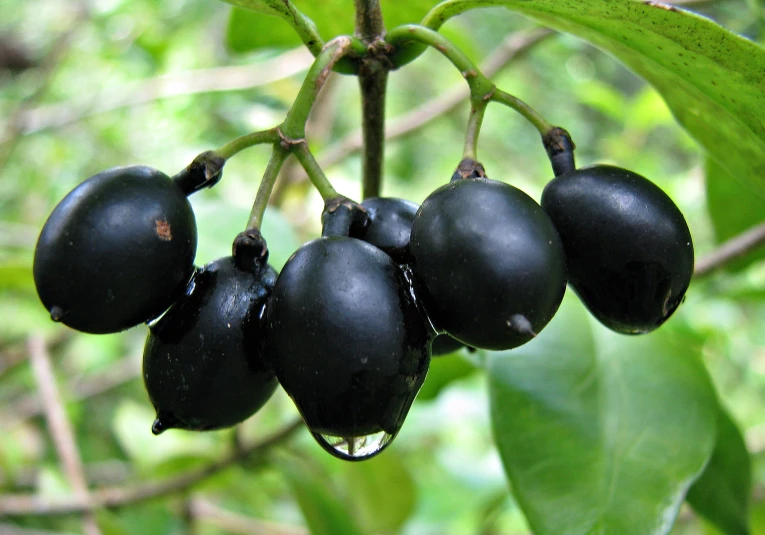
x: 373, y: 81
x: 278, y: 156
x: 373, y: 88
x: 293, y: 126
x: 529, y: 113
x: 477, y: 110
x: 314, y: 172
x: 401, y: 35
x: 233, y: 147
x: 369, y: 20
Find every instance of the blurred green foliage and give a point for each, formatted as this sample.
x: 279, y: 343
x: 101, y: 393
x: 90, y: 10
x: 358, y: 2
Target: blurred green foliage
x: 95, y: 95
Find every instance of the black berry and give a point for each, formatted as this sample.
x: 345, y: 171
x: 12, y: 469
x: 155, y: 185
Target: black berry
x: 490, y: 262
x: 347, y: 342
x: 116, y: 251
x: 203, y: 364
x: 628, y: 247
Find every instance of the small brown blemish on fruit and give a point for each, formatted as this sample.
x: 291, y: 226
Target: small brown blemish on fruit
x: 162, y: 228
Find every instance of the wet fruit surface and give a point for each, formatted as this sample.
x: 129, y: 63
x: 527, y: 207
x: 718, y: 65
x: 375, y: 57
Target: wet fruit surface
x: 116, y: 251
x: 490, y: 262
x: 628, y: 247
x: 347, y: 341
x: 203, y: 365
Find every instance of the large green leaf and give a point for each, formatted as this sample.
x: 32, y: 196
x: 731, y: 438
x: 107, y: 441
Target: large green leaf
x: 600, y: 432
x: 722, y: 492
x: 733, y: 210
x: 712, y: 80
x: 323, y: 511
x: 382, y: 492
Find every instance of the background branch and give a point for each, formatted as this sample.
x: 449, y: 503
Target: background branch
x: 730, y: 250
x: 120, y: 496
x: 166, y: 86
x: 60, y: 428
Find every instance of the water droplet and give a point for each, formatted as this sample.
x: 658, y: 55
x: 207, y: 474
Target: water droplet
x: 354, y: 448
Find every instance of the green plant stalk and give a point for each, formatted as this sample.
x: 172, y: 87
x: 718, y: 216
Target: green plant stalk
x: 478, y: 83
x: 477, y: 111
x: 530, y: 114
x: 369, y: 24
x: 278, y: 156
x: 314, y: 172
x: 373, y: 81
x: 255, y: 138
x: 293, y: 126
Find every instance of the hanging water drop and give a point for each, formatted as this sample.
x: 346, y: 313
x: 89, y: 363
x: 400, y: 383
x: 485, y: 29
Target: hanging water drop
x: 354, y: 448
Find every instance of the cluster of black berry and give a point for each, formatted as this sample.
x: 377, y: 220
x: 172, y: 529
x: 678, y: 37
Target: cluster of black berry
x: 349, y: 325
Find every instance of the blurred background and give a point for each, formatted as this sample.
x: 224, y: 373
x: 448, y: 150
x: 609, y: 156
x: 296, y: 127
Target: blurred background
x: 88, y: 85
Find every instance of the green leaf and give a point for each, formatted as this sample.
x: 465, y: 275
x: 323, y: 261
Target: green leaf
x: 733, y: 210
x: 443, y: 371
x: 600, y: 432
x: 267, y: 7
x: 712, y: 79
x: 722, y: 492
x: 250, y: 31
x: 382, y: 491
x: 323, y: 511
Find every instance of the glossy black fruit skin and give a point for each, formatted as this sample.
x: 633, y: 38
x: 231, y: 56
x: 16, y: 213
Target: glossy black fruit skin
x: 116, y: 251
x: 628, y: 247
x: 203, y: 362
x: 346, y: 338
x: 390, y: 224
x: 490, y: 262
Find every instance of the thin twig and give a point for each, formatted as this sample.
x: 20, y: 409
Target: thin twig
x: 734, y: 248
x: 123, y: 371
x: 11, y: 504
x: 60, y: 428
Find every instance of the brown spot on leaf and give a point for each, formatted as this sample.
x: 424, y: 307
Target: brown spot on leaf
x: 661, y: 6
x: 162, y: 228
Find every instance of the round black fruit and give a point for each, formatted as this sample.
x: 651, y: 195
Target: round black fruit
x: 347, y: 341
x: 490, y: 262
x: 203, y: 361
x: 628, y: 247
x: 116, y: 251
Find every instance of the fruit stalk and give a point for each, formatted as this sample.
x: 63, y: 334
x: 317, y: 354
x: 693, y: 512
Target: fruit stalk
x: 278, y: 156
x: 530, y: 114
x: 314, y: 172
